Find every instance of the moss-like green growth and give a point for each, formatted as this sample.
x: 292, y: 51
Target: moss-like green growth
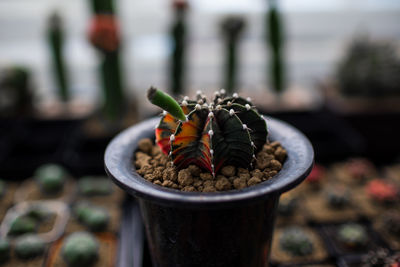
x: 95, y: 218
x: 95, y: 186
x: 51, y: 178
x: 352, y: 235
x: 296, y: 242
x: 22, y: 224
x: 80, y: 249
x: 29, y: 246
x: 4, y: 250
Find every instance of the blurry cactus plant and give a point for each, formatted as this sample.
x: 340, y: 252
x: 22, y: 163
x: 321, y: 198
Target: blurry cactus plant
x: 16, y: 96
x: 352, y: 235
x: 376, y: 258
x: 80, y: 249
x: 51, y: 178
x: 287, y: 205
x: 226, y: 131
x: 275, y: 41
x: 178, y: 35
x: 391, y: 222
x: 337, y: 197
x: 4, y: 250
x: 104, y: 34
x: 296, y: 242
x: 369, y: 69
x: 232, y: 28
x: 29, y: 246
x: 55, y: 37
x: 382, y: 191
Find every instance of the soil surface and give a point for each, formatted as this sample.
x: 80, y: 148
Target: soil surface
x: 156, y: 167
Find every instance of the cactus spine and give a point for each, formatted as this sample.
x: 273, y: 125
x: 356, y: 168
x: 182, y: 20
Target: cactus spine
x: 227, y: 131
x: 56, y: 42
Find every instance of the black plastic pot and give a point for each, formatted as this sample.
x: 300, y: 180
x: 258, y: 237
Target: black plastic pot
x: 231, y: 228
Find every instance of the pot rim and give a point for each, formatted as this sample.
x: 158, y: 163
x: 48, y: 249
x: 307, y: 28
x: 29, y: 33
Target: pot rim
x: 119, y: 166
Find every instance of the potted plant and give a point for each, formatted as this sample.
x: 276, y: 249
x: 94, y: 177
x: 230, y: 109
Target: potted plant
x: 228, y: 228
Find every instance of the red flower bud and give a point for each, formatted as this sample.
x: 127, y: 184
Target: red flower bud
x: 104, y: 32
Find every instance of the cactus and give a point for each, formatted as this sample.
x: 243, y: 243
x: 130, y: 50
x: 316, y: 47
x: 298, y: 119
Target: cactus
x: 391, y: 222
x: 276, y: 43
x: 232, y: 28
x: 105, y: 36
x: 227, y: 131
x: 352, y: 235
x: 337, y: 197
x: 382, y: 191
x: 95, y: 186
x: 376, y: 258
x: 4, y: 250
x: 22, y: 225
x: 296, y: 242
x: 95, y: 218
x: 29, y: 246
x: 178, y: 35
x: 51, y: 178
x: 370, y: 69
x: 55, y: 37
x: 80, y: 249
x: 3, y: 188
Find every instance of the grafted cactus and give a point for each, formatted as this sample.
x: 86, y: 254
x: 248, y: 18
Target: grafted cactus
x: 226, y: 131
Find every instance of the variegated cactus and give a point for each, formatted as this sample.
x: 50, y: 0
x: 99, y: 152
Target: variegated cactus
x: 226, y: 131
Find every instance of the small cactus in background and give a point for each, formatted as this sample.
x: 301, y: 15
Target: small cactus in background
x: 3, y: 188
x: 55, y: 37
x: 369, y: 68
x: 287, y: 205
x: 276, y: 44
x: 4, y: 250
x: 337, y: 197
x: 178, y: 34
x: 80, y: 249
x: 382, y: 191
x: 227, y: 131
x: 391, y: 222
x: 352, y: 235
x: 94, y: 217
x: 104, y: 34
x: 376, y: 258
x: 296, y: 242
x: 51, y: 178
x: 29, y: 246
x: 232, y: 28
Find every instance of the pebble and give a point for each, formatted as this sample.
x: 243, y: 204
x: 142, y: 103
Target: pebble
x: 146, y: 146
x: 228, y: 171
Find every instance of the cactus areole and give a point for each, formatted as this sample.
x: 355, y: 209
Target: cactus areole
x: 226, y: 131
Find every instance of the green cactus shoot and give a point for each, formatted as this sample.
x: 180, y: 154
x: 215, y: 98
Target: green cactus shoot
x: 226, y: 131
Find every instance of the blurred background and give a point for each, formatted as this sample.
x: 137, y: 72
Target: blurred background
x: 75, y: 73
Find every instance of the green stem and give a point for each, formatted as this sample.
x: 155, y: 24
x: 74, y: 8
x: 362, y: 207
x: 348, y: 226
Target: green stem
x: 166, y: 102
